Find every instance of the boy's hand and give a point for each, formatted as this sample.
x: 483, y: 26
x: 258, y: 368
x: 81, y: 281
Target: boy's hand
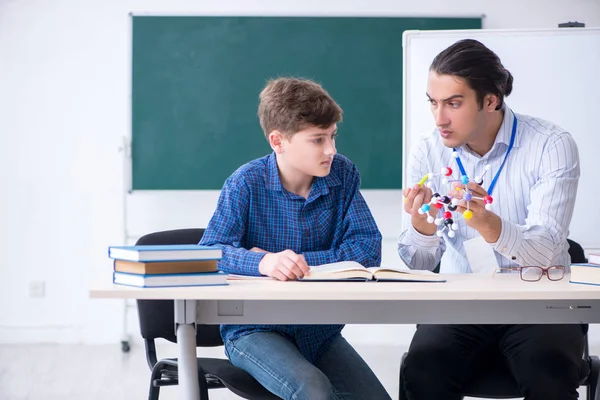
x: 414, y: 198
x: 283, y: 266
x: 258, y: 250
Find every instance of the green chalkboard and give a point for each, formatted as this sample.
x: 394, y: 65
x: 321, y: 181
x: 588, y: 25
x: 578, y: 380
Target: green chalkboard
x: 196, y: 80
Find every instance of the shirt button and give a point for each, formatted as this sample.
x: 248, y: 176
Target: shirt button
x: 513, y: 258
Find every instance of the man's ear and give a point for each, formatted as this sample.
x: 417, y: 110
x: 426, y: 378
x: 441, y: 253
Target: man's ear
x: 277, y: 141
x: 490, y: 102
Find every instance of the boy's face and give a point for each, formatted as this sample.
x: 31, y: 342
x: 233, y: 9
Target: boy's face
x: 310, y: 151
x: 455, y: 110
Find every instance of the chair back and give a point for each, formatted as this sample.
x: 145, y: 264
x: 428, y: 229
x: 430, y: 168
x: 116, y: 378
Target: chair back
x: 156, y: 316
x: 576, y: 252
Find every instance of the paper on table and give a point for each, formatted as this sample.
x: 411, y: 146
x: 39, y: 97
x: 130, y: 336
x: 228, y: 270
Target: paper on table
x: 234, y: 277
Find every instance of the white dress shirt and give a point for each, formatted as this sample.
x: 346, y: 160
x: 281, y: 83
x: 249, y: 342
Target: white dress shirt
x: 534, y: 196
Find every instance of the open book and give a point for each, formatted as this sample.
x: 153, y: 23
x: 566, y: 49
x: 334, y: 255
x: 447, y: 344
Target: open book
x: 353, y: 271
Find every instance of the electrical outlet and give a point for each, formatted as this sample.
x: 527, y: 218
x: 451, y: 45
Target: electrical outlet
x: 37, y: 289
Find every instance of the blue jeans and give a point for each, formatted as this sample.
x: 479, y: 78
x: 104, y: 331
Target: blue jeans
x: 278, y: 365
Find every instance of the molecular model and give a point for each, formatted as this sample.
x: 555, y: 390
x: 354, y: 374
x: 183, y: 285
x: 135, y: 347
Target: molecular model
x: 448, y: 203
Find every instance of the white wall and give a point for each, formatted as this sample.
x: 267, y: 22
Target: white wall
x: 64, y: 108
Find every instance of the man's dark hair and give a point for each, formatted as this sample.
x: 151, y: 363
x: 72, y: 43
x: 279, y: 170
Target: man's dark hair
x: 479, y: 66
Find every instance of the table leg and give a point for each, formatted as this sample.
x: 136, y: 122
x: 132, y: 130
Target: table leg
x: 185, y: 322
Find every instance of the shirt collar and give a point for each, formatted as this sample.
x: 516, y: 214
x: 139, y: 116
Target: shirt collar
x: 505, y: 131
x: 319, y: 187
x: 273, y: 181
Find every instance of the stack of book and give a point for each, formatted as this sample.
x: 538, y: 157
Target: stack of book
x: 166, y: 265
x: 588, y: 273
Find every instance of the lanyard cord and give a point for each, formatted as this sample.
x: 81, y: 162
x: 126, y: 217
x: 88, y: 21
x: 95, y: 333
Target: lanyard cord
x: 510, y: 146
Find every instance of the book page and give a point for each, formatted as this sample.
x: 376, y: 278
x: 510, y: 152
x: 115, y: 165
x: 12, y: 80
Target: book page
x: 343, y: 270
x: 402, y: 270
x: 336, y: 267
x: 405, y: 275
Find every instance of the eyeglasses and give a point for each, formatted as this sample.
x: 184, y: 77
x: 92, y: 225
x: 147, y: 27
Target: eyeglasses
x: 534, y: 274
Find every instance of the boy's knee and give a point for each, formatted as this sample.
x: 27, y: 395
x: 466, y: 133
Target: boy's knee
x: 314, y: 385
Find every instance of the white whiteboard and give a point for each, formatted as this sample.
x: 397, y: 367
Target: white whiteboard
x: 556, y: 77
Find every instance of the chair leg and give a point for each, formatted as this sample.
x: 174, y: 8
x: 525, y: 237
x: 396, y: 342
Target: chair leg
x: 401, y: 391
x: 592, y: 387
x: 203, y: 384
x: 154, y: 391
x: 154, y: 375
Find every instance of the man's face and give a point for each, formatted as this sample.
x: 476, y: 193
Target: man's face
x: 310, y: 151
x: 455, y: 110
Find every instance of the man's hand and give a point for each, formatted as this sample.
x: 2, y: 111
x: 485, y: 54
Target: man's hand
x: 283, y: 266
x: 414, y: 198
x: 488, y: 224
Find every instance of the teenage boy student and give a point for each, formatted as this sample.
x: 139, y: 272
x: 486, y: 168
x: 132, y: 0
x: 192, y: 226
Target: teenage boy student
x: 533, y: 181
x: 276, y: 215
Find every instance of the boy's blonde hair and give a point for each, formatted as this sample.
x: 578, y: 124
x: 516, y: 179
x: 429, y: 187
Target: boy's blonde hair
x: 290, y: 105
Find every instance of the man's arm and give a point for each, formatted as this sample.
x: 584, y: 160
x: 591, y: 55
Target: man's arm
x: 550, y: 211
x: 227, y: 227
x: 362, y: 240
x: 418, y: 250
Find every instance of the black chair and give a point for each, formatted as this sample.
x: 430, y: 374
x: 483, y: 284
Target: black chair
x: 496, y: 381
x: 157, y: 321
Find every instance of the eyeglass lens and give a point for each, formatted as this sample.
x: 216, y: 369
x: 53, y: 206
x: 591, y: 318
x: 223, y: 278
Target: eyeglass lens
x: 535, y: 273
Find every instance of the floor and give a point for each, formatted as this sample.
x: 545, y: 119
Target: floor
x: 104, y: 372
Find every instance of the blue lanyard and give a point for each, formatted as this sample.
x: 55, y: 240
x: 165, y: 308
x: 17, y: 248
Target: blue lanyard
x: 510, y: 146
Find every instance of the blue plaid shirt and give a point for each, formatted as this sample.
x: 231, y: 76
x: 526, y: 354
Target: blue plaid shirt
x: 333, y: 224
